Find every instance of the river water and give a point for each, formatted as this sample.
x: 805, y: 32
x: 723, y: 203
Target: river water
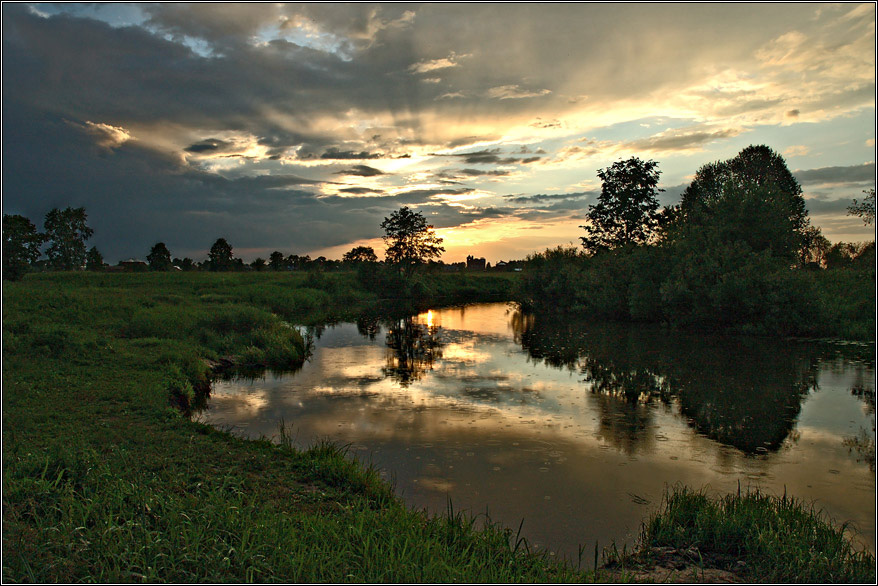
x: 575, y: 428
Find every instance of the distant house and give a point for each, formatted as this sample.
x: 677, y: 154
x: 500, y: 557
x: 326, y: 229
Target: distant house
x: 473, y: 263
x: 133, y: 265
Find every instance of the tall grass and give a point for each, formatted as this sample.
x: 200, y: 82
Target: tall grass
x: 779, y: 539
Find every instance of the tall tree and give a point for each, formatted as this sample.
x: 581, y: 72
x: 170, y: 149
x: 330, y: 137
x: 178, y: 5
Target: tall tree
x: 21, y: 246
x: 220, y: 256
x: 159, y: 257
x: 276, y: 260
x: 66, y: 231
x: 360, y: 254
x: 410, y: 240
x: 627, y: 209
x: 94, y: 260
x: 752, y: 199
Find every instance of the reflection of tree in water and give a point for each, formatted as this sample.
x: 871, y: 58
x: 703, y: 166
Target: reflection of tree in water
x: 863, y: 444
x: 369, y: 326
x: 744, y: 392
x: 412, y: 347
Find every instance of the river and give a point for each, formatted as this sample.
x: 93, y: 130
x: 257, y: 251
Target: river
x: 573, y: 427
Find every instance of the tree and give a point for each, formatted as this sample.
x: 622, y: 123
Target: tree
x: 276, y: 260
x: 360, y: 254
x: 627, y: 210
x: 865, y: 209
x: 752, y: 199
x: 21, y: 246
x: 159, y: 258
x: 258, y: 264
x: 220, y: 256
x: 94, y: 260
x: 410, y: 240
x: 66, y: 231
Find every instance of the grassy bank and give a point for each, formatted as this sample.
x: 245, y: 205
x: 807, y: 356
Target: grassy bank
x: 104, y: 479
x: 757, y: 537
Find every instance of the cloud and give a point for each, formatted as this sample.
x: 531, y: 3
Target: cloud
x: 681, y: 139
x: 514, y: 92
x: 360, y: 190
x: 453, y: 60
x: 361, y: 171
x: 491, y: 157
x: 798, y: 150
x: 852, y: 174
x: 210, y: 145
x: 334, y: 153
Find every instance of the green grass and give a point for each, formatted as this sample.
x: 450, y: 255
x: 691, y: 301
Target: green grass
x: 779, y: 539
x: 104, y: 479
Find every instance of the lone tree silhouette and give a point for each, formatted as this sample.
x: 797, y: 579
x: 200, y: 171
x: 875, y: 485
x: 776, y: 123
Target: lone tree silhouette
x: 627, y: 209
x: 410, y: 240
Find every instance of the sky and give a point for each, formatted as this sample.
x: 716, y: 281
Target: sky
x: 300, y: 127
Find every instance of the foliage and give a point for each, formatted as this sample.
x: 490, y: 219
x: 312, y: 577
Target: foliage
x: 865, y: 208
x: 778, y: 538
x: 752, y: 199
x: 276, y: 260
x: 627, y: 210
x: 159, y: 257
x: 21, y: 246
x: 360, y: 254
x: 94, y: 260
x: 220, y: 256
x: 410, y: 240
x: 66, y: 232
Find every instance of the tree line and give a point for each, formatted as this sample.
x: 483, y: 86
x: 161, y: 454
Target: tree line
x: 735, y: 252
x: 411, y: 243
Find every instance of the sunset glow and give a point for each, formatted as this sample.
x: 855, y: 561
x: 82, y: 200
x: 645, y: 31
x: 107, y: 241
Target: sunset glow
x: 300, y: 127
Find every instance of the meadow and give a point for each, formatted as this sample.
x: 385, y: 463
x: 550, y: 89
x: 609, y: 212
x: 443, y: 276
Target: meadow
x: 106, y: 479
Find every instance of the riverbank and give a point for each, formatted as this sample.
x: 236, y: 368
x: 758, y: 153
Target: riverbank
x: 104, y: 480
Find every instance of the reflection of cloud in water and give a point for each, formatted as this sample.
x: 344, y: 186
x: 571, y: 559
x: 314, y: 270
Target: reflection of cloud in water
x: 487, y: 426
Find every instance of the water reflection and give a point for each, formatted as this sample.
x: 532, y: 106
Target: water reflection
x: 575, y: 427
x: 743, y: 392
x: 412, y: 348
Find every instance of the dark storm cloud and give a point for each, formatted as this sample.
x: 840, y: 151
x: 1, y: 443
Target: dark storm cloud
x: 864, y: 173
x: 360, y: 190
x: 552, y: 197
x: 360, y: 171
x: 210, y: 145
x: 334, y: 153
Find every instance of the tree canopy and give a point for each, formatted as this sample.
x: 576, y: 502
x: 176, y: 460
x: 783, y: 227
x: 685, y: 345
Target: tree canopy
x: 360, y: 254
x: 220, y: 256
x: 159, y: 257
x: 865, y: 208
x: 752, y: 199
x: 410, y: 240
x: 627, y: 209
x: 66, y: 231
x: 21, y: 246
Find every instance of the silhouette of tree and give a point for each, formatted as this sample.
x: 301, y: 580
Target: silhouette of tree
x: 627, y: 209
x: 159, y: 257
x: 66, y: 231
x: 865, y: 209
x: 410, y: 240
x: 360, y: 254
x: 258, y: 264
x: 94, y: 260
x: 276, y: 260
x: 21, y: 246
x: 220, y: 256
x: 752, y: 199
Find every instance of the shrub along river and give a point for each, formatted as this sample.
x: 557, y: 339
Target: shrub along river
x: 575, y: 427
